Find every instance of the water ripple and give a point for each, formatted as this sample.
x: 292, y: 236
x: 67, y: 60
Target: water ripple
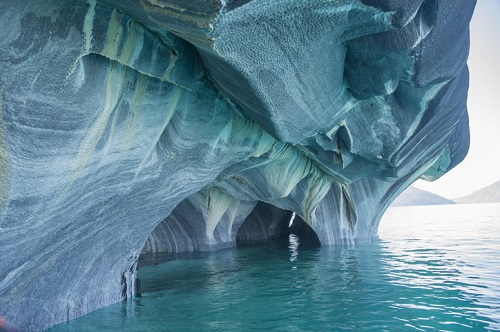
x: 432, y: 270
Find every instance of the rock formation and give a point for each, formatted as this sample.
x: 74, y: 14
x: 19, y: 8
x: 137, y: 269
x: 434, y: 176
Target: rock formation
x: 176, y: 123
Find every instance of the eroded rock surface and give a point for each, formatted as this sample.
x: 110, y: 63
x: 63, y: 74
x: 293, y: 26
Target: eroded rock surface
x: 177, y: 123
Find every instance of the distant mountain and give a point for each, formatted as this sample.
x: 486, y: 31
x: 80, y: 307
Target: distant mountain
x: 414, y: 196
x: 489, y: 194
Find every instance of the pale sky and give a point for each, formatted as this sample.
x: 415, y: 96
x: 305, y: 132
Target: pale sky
x: 481, y: 167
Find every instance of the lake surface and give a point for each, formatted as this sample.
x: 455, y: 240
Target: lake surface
x: 434, y: 268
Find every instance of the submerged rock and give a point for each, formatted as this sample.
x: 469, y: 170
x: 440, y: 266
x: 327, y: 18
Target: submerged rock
x: 176, y: 124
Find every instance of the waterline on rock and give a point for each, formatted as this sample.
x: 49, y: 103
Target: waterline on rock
x: 413, y: 278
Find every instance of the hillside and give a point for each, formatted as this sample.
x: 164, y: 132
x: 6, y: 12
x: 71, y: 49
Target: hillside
x: 414, y: 196
x: 489, y: 194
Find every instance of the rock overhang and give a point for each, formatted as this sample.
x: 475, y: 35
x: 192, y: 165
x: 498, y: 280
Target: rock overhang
x: 175, y: 123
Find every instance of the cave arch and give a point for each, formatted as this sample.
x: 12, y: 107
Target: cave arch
x: 268, y: 222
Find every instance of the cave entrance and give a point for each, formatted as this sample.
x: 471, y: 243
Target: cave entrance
x: 267, y: 223
x: 171, y: 241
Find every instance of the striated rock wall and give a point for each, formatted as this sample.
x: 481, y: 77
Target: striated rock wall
x: 169, y: 125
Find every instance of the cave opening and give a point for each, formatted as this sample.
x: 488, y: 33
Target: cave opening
x: 178, y: 233
x: 176, y: 242
x: 268, y: 223
x: 302, y: 232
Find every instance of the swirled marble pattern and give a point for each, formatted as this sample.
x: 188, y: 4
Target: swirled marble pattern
x: 169, y: 125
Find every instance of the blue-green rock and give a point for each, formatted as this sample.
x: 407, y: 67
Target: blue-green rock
x: 173, y: 125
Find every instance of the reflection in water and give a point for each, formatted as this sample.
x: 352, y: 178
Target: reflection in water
x: 293, y: 247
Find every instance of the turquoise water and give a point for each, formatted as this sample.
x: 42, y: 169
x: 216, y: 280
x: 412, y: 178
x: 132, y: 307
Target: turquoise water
x: 434, y: 268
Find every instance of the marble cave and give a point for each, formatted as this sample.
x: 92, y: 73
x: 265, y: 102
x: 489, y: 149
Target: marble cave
x: 144, y: 126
